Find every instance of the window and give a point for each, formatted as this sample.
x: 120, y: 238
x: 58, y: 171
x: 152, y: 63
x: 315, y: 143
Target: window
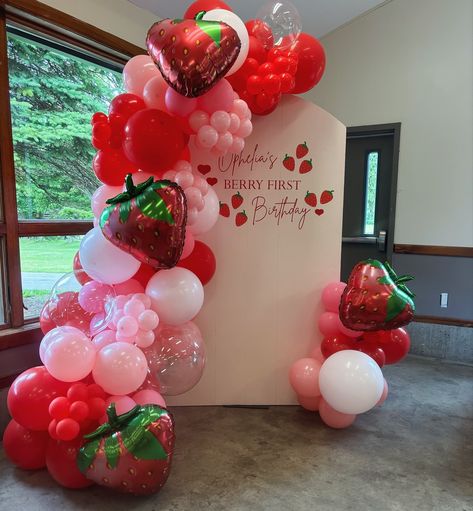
x: 370, y: 192
x: 52, y: 79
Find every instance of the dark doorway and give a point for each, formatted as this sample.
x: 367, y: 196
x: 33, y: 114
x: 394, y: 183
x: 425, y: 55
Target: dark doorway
x: 370, y: 194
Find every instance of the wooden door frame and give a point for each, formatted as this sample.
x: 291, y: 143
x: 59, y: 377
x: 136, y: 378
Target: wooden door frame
x: 376, y: 130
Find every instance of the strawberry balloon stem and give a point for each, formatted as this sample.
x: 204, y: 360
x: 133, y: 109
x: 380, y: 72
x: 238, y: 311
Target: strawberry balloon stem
x: 132, y: 191
x: 200, y: 15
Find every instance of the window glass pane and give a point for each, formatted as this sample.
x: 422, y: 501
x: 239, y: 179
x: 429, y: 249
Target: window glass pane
x: 43, y: 261
x: 53, y: 95
x: 370, y: 192
x: 2, y: 281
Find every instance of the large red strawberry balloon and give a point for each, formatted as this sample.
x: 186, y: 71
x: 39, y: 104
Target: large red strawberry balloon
x: 193, y: 55
x: 132, y: 452
x: 149, y: 221
x: 376, y: 298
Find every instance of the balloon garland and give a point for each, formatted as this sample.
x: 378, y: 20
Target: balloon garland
x: 362, y: 329
x: 118, y: 329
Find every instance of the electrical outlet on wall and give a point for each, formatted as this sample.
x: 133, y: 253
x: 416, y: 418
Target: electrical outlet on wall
x: 443, y: 300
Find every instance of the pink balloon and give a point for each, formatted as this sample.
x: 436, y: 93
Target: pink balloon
x: 240, y: 108
x: 177, y: 358
x: 149, y: 397
x: 148, y: 320
x: 52, y: 336
x: 328, y: 323
x: 194, y: 198
x: 100, y: 196
x: 128, y: 287
x: 70, y: 356
x: 137, y: 72
x: 316, y: 354
x: 177, y: 295
x: 245, y: 129
x: 331, y: 296
x: 334, y: 419
x: 304, y: 377
x: 103, y: 339
x: 309, y: 403
x: 347, y: 331
x: 238, y: 145
x: 144, y: 338
x: 189, y: 244
x: 204, y: 220
x: 234, y: 123
x: 127, y: 326
x: 179, y: 105
x: 120, y: 368
x: 192, y: 216
x: 134, y: 307
x: 154, y: 92
x: 183, y: 166
x: 384, y: 395
x: 220, y: 120
x: 138, y: 178
x: 224, y: 142
x: 201, y: 184
x: 220, y: 97
x: 184, y: 178
x: 198, y: 119
x: 123, y: 404
x: 143, y: 298
x: 207, y: 136
x: 94, y: 295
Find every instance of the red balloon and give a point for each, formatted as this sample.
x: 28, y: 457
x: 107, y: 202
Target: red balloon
x: 370, y: 348
x: 334, y: 343
x: 126, y: 105
x: 153, y: 140
x: 79, y: 272
x: 395, y: 343
x: 45, y: 322
x: 261, y: 31
x: 62, y: 465
x: 311, y: 63
x: 201, y: 262
x: 204, y: 5
x: 144, y: 273
x: 25, y: 448
x: 111, y: 166
x: 256, y: 50
x: 101, y: 135
x: 30, y: 395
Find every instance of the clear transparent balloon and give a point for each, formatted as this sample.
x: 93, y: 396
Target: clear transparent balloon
x: 63, y: 307
x: 177, y: 358
x: 284, y: 20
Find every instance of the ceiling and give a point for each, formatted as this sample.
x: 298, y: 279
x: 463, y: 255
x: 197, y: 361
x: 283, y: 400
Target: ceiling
x: 319, y: 17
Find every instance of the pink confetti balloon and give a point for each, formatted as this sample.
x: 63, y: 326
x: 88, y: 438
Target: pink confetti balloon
x: 120, y: 368
x: 149, y: 397
x: 94, y: 295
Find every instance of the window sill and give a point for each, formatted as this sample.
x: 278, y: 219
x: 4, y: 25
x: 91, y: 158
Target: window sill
x: 14, y: 337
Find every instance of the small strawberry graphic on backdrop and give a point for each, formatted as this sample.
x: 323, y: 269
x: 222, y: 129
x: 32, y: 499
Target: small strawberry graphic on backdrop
x: 302, y: 150
x: 305, y: 166
x: 319, y: 212
x: 327, y: 196
x: 237, y: 200
x: 376, y: 298
x: 241, y: 218
x: 224, y: 209
x: 311, y: 199
x: 289, y: 163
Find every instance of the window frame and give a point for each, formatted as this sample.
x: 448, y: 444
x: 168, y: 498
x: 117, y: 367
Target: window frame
x: 88, y: 39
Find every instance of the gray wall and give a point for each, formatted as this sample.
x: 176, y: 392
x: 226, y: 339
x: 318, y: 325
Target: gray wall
x: 435, y: 275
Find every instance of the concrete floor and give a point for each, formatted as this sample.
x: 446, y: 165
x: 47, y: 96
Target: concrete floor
x: 414, y: 453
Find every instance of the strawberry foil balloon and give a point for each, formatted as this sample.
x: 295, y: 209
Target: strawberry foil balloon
x: 132, y: 452
x: 376, y: 298
x: 192, y: 55
x: 149, y: 221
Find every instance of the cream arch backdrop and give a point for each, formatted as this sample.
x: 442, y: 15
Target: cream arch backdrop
x: 261, y: 306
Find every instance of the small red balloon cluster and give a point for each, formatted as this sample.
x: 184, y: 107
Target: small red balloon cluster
x: 362, y: 331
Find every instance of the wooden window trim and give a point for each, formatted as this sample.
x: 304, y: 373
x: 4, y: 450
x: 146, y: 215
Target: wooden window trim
x: 70, y: 31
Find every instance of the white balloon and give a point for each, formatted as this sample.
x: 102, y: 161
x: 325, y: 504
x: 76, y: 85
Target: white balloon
x: 105, y: 262
x: 176, y: 295
x: 237, y: 24
x: 207, y: 217
x: 351, y: 382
